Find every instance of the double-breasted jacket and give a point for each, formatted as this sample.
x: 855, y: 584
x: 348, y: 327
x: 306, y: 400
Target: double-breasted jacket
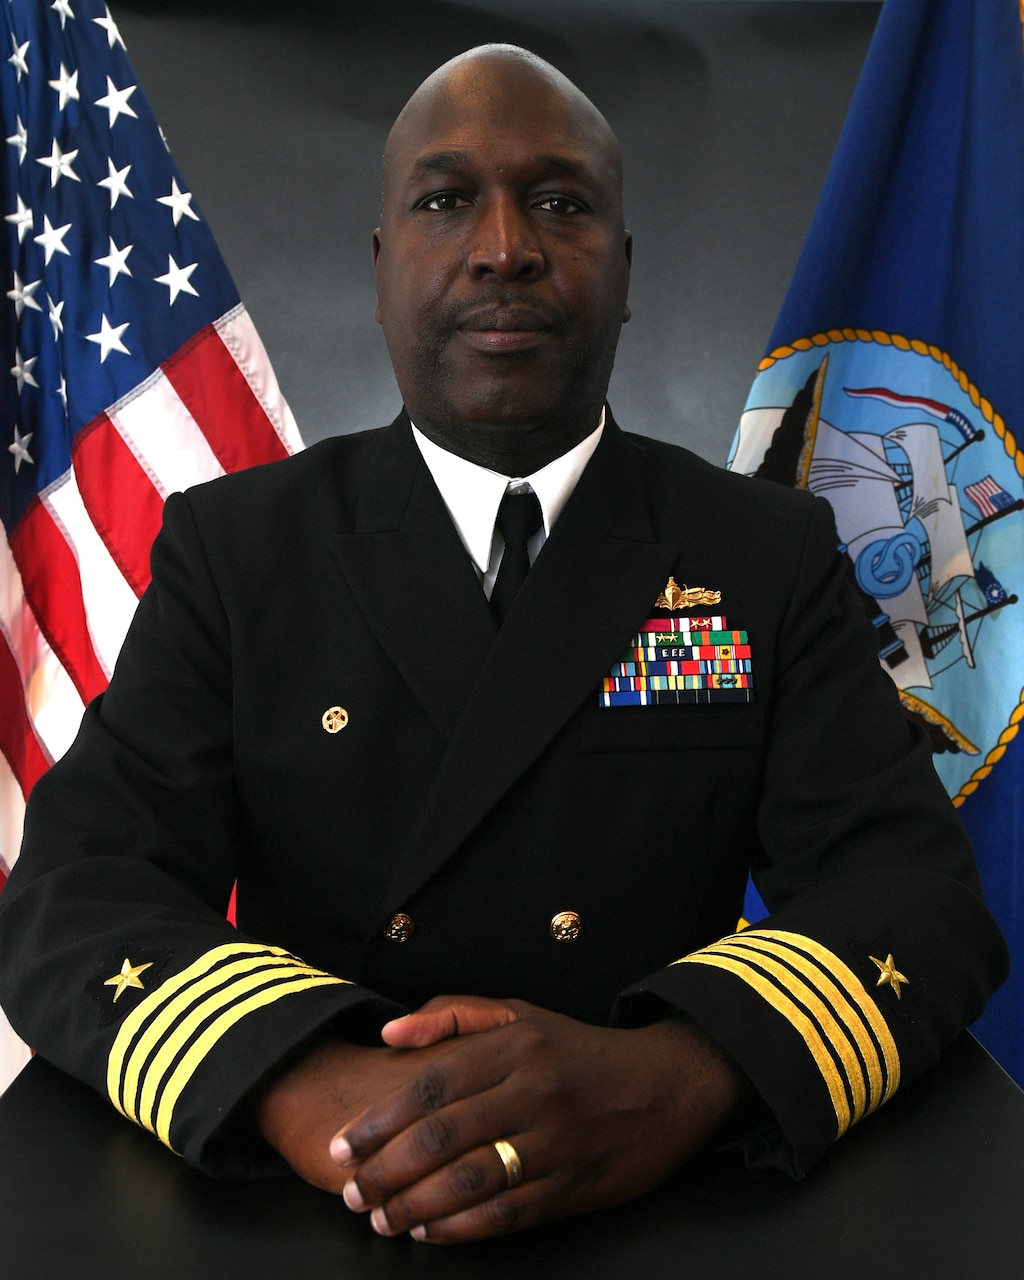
x: 315, y: 702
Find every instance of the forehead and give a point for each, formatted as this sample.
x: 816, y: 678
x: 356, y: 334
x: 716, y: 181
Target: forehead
x: 500, y: 117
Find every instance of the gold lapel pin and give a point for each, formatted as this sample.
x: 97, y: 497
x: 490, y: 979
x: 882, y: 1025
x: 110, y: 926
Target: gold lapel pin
x: 334, y: 719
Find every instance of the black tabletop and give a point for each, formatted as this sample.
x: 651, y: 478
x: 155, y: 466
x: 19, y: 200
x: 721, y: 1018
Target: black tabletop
x: 931, y: 1187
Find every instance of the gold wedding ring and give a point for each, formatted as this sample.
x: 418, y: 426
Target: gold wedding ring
x: 509, y: 1157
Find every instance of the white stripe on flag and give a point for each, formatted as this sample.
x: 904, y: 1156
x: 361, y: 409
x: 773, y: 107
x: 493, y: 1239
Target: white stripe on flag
x: 109, y: 600
x: 12, y: 814
x: 14, y: 1054
x: 53, y: 703
x: 238, y: 333
x: 165, y: 438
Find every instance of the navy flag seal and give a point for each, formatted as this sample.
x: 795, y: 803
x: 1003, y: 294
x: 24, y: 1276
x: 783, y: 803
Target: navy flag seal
x: 924, y: 478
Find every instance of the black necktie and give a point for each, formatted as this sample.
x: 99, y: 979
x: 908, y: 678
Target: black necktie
x: 519, y: 518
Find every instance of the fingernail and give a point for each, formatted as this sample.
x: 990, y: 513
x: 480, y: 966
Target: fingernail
x: 353, y: 1196
x: 379, y: 1221
x: 419, y: 1233
x: 341, y: 1151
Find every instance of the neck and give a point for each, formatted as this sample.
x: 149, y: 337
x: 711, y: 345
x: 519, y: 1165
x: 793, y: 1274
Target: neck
x: 519, y: 451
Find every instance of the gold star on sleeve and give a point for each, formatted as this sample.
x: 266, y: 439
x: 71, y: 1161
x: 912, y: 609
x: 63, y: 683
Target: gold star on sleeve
x: 889, y: 975
x: 128, y: 977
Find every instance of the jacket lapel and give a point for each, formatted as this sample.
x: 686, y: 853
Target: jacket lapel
x: 405, y: 565
x: 594, y: 581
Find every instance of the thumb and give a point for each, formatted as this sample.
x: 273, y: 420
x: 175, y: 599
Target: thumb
x: 447, y: 1016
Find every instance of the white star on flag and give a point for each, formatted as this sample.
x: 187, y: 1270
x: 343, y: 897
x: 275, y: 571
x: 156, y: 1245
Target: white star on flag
x: 177, y: 280
x: 22, y: 219
x: 66, y: 85
x: 59, y: 164
x: 23, y: 370
x: 116, y: 261
x: 17, y: 58
x: 116, y: 101
x: 109, y: 338
x: 21, y: 295
x: 20, y: 449
x: 116, y: 182
x: 179, y: 203
x: 19, y: 139
x: 55, y: 316
x: 110, y: 26
x: 52, y: 238
x: 62, y: 7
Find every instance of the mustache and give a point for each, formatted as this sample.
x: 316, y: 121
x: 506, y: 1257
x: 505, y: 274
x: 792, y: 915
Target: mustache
x: 506, y: 311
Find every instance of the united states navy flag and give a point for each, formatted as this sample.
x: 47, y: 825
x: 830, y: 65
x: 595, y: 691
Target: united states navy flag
x: 129, y: 367
x: 892, y: 386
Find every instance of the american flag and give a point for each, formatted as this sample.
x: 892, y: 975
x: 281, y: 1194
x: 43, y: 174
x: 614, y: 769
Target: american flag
x: 988, y: 496
x: 132, y: 370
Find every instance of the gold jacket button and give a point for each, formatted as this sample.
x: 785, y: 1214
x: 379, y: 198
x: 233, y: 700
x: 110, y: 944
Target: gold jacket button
x: 566, y: 926
x: 400, y: 927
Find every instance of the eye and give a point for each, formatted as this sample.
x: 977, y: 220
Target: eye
x: 443, y: 202
x: 559, y: 204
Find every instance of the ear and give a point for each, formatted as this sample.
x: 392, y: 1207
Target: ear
x: 375, y: 252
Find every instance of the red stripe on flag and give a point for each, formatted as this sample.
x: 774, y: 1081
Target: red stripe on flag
x: 18, y: 742
x: 120, y: 498
x: 53, y: 589
x: 216, y: 394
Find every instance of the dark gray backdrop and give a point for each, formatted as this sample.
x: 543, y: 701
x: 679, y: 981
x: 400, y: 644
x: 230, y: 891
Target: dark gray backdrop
x: 728, y: 111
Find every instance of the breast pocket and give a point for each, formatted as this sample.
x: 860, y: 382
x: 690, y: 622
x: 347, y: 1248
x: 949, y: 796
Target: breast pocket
x: 672, y: 729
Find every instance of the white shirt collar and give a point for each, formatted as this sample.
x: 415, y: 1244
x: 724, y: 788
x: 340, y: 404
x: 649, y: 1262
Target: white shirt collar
x: 473, y: 493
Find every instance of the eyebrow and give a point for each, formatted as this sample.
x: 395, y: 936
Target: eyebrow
x: 446, y: 161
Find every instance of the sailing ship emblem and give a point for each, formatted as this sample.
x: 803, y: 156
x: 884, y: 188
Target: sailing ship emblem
x: 927, y: 501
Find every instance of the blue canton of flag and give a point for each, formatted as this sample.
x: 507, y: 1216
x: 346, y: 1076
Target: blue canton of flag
x: 131, y: 371
x: 892, y: 387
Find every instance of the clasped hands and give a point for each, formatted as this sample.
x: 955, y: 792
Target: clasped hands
x: 405, y: 1132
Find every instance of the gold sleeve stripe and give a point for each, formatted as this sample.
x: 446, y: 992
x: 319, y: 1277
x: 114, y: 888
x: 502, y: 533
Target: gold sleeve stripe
x: 824, y: 1017
x: 798, y: 977
x: 168, y: 1034
x: 163, y: 1020
x: 154, y: 1071
x: 146, y: 1008
x: 797, y: 1017
x: 850, y: 1015
x: 183, y: 1072
x: 860, y: 995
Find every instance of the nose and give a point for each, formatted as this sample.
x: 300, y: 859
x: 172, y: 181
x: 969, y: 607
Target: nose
x: 505, y: 243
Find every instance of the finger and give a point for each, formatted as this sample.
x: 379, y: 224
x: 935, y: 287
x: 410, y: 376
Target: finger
x: 503, y: 1214
x: 471, y: 1180
x: 456, y: 1142
x: 447, y: 1016
x: 471, y: 1066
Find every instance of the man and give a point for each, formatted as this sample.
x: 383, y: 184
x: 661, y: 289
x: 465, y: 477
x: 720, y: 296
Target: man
x: 418, y: 794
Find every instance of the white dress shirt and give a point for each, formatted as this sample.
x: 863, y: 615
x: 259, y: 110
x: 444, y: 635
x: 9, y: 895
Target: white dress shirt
x: 473, y: 494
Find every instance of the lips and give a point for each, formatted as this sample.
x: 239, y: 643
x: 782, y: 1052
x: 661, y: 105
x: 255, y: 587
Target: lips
x: 503, y: 329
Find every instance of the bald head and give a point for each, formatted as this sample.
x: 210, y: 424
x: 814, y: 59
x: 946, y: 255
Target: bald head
x: 502, y: 263
x: 482, y: 79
